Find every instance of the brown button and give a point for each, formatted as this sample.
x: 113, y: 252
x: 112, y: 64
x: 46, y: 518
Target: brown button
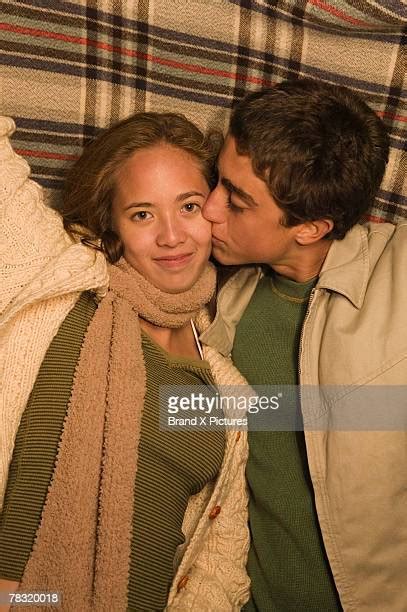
x: 238, y: 436
x: 182, y: 583
x: 214, y: 512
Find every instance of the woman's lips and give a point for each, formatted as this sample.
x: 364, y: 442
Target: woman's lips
x: 174, y: 261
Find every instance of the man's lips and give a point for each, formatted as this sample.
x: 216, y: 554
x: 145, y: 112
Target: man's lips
x: 217, y: 240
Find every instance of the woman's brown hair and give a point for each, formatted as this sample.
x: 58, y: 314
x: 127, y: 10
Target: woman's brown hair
x: 89, y: 187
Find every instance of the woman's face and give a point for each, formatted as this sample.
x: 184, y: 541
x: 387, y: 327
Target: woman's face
x: 156, y: 211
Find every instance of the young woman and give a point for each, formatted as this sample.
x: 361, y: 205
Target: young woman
x: 101, y: 505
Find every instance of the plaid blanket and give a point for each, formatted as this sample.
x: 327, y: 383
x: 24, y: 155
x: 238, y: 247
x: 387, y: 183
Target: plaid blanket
x: 71, y: 68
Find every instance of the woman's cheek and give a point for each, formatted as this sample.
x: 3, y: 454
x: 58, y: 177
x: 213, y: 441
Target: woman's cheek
x: 204, y: 230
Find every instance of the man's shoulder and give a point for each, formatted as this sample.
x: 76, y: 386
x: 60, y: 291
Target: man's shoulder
x: 232, y: 300
x: 387, y: 243
x: 363, y: 246
x: 372, y: 258
x: 226, y: 273
x: 388, y: 231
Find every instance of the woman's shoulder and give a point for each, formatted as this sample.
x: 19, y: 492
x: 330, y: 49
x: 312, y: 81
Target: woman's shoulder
x: 38, y: 259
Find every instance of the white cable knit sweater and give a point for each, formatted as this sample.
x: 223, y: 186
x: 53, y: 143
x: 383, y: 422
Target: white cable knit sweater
x: 42, y: 273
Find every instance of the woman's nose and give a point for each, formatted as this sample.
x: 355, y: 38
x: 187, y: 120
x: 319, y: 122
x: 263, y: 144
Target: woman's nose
x: 215, y: 207
x: 171, y: 233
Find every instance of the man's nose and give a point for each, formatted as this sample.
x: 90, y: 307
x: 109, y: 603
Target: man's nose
x: 215, y: 208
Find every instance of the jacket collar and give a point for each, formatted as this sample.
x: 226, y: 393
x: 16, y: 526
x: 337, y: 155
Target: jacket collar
x: 346, y: 270
x: 349, y: 263
x: 346, y: 266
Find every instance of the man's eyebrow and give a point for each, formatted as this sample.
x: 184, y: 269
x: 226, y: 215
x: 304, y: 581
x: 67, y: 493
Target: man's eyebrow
x: 246, y: 197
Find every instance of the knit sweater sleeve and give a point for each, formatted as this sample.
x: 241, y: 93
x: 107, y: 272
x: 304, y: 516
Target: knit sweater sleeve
x: 42, y: 274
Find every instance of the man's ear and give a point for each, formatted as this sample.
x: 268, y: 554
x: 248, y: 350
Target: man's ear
x: 310, y: 232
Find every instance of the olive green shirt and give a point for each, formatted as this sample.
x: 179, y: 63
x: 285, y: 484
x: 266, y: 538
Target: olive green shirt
x: 287, y: 561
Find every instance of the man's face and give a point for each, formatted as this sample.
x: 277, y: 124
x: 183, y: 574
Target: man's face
x: 246, y: 220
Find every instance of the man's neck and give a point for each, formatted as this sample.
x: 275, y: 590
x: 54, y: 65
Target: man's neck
x: 305, y: 265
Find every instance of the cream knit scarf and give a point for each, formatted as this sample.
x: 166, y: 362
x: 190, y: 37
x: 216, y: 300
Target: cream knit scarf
x: 82, y: 548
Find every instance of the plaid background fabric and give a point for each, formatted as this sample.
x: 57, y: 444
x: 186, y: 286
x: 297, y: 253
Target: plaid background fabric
x: 71, y: 68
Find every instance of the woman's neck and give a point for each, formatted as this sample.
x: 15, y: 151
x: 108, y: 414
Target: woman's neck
x: 179, y: 342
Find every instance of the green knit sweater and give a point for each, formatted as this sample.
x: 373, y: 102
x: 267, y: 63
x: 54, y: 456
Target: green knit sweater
x: 287, y: 562
x: 172, y: 465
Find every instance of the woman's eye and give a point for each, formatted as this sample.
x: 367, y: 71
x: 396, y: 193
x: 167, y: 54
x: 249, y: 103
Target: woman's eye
x: 141, y: 215
x: 190, y: 207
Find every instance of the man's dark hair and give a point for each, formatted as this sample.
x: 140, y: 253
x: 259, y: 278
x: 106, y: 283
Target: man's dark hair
x: 320, y: 149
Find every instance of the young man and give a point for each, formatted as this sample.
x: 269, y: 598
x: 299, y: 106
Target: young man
x: 301, y: 165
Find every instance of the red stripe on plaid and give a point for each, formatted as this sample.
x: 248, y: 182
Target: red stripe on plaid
x: 333, y: 11
x: 390, y: 116
x: 375, y: 219
x: 45, y: 154
x: 129, y: 52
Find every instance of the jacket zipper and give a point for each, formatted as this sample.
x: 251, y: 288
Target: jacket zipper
x: 311, y: 297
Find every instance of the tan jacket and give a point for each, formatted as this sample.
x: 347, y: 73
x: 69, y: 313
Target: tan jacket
x: 354, y: 333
